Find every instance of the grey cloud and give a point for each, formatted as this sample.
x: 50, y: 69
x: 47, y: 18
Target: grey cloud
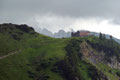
x: 22, y: 10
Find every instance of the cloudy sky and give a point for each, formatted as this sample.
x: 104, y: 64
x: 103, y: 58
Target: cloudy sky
x: 94, y: 15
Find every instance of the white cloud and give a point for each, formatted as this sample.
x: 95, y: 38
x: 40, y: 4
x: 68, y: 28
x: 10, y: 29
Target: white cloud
x: 103, y: 26
x: 55, y: 23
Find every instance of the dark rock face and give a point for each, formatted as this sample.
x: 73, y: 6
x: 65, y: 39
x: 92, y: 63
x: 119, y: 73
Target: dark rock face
x: 6, y: 26
x: 24, y: 28
x: 16, y: 31
x: 97, y: 57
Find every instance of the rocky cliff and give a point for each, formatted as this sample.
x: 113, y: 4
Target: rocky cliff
x: 96, y: 57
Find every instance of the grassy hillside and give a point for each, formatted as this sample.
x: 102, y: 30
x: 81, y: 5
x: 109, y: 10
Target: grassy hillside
x: 39, y: 57
x: 31, y: 61
x: 13, y: 37
x: 35, y: 52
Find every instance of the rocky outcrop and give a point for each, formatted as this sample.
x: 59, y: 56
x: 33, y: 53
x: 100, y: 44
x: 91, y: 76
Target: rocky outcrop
x: 98, y: 57
x: 114, y: 63
x: 6, y: 27
x: 91, y: 54
x: 74, y: 62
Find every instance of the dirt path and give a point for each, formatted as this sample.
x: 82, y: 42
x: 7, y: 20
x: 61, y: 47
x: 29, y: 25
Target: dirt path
x: 2, y: 57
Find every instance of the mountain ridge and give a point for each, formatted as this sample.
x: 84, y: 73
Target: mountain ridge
x: 61, y: 33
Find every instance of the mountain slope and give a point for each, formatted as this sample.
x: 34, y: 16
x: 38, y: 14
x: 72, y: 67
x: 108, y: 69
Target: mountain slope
x: 44, y: 58
x: 89, y: 59
x: 12, y: 37
x: 35, y: 50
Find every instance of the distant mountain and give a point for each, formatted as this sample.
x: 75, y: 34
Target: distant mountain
x: 59, y: 34
x: 117, y: 40
x: 46, y: 32
x: 62, y: 33
x: 106, y: 35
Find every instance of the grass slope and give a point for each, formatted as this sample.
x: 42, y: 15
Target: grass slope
x: 35, y: 51
x: 44, y: 58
